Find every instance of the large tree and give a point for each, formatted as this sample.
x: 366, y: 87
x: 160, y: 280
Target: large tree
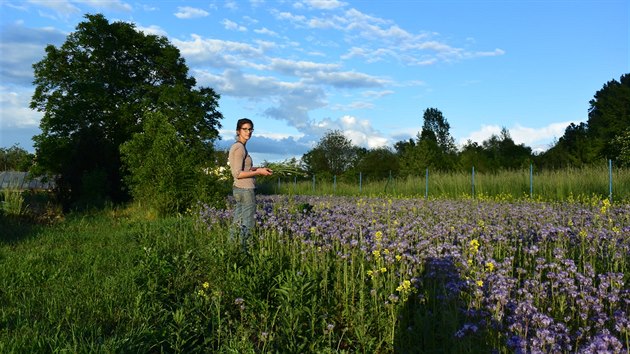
x: 503, y: 153
x: 434, y: 147
x: 95, y: 91
x: 333, y: 155
x: 609, y: 116
x: 436, y: 128
x: 378, y: 163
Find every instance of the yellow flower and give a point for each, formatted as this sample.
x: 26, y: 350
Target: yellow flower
x: 474, y: 246
x: 378, y: 236
x: 313, y: 229
x: 489, y: 266
x: 605, y: 206
x: 383, y: 270
x: 405, y: 285
x: 370, y: 273
x: 376, y: 253
x: 398, y: 257
x: 206, y: 285
x: 480, y: 283
x: 386, y: 251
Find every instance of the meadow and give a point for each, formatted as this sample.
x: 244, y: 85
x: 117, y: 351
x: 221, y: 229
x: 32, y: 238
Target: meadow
x: 325, y: 274
x: 547, y: 185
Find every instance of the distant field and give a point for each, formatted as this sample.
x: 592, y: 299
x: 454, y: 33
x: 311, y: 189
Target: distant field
x: 565, y: 184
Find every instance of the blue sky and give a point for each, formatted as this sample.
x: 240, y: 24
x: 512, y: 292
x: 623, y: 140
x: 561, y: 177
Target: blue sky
x: 368, y: 68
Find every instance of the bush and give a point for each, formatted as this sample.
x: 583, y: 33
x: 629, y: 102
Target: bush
x: 164, y: 172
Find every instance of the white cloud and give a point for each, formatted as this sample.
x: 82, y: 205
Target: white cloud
x: 219, y: 53
x: 536, y: 138
x: 63, y: 8
x: 325, y: 4
x: 266, y: 31
x: 233, y: 26
x: 350, y: 79
x: 187, y: 12
x: 232, y: 5
x: 352, y: 106
x: 381, y: 39
x: 359, y: 131
x: 14, y: 105
x: 153, y: 29
x: 115, y: 5
x: 21, y: 47
x: 377, y: 94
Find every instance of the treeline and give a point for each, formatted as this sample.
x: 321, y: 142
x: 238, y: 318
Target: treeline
x: 606, y: 136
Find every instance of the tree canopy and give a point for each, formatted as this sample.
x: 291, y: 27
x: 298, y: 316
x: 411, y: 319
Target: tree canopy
x: 15, y: 159
x: 333, y: 155
x: 609, y: 116
x: 95, y: 92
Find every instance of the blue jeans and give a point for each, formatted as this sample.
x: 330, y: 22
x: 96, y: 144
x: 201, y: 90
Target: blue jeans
x: 244, y: 215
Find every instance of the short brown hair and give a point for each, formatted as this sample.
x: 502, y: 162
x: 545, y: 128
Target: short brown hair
x: 240, y: 122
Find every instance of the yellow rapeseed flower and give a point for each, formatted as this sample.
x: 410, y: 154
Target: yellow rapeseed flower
x: 605, y: 206
x: 404, y: 286
x: 376, y: 253
x: 398, y: 257
x: 480, y: 283
x: 383, y: 270
x: 474, y: 246
x: 378, y: 236
x: 386, y: 251
x: 206, y: 285
x: 489, y: 266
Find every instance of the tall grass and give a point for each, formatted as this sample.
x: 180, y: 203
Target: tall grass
x: 548, y: 185
x: 12, y: 202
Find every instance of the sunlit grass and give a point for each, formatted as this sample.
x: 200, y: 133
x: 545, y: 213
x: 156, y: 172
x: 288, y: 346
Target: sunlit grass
x: 548, y: 185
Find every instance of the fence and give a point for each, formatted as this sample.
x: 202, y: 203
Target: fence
x: 549, y: 185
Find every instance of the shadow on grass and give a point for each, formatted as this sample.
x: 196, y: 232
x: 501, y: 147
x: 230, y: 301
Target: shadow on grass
x: 15, y: 228
x: 431, y: 318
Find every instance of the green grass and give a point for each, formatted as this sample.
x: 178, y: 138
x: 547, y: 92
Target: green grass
x: 96, y: 283
x: 125, y: 281
x: 548, y: 185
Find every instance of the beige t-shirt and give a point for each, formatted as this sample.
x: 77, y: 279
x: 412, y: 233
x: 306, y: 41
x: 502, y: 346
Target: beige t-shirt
x: 239, y: 161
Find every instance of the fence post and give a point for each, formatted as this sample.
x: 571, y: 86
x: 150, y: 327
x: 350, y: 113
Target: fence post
x: 360, y: 182
x: 313, y: 183
x: 426, y: 187
x: 531, y: 181
x: 473, y: 182
x: 610, y: 181
x: 334, y: 184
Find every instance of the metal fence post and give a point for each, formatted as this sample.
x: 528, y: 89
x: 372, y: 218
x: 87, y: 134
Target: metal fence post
x: 610, y: 197
x: 473, y: 182
x: 426, y: 187
x: 360, y: 182
x: 531, y: 181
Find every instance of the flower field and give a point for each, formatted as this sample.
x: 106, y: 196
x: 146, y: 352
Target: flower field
x: 416, y: 275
